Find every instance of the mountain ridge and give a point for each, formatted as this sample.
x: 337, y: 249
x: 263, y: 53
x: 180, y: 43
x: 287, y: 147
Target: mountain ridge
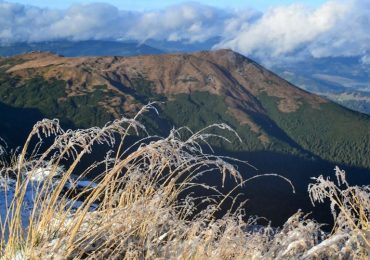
x: 316, y: 75
x: 198, y: 89
x: 177, y: 74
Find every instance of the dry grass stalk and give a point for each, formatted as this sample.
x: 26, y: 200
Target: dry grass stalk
x: 134, y: 211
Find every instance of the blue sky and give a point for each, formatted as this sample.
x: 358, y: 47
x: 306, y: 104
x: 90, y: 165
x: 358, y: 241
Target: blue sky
x: 151, y: 4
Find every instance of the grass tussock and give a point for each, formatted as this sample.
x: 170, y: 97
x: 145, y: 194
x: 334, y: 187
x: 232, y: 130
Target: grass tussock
x: 140, y: 207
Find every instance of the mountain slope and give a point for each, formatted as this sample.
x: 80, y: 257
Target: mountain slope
x: 196, y: 89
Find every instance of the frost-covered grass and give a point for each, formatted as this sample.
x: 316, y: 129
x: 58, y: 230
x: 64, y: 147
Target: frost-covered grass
x: 139, y: 207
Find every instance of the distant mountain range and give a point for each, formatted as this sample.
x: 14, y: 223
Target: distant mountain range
x: 343, y: 80
x: 81, y: 48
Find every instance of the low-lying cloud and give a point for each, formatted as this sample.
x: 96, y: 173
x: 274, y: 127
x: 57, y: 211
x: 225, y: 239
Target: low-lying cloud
x: 336, y: 28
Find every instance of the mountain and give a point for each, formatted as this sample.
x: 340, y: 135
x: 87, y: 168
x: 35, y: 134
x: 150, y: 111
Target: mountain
x: 197, y: 89
x: 81, y: 48
x: 345, y: 80
x: 284, y: 129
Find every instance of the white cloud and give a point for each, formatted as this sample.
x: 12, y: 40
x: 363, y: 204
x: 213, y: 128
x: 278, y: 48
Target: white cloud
x: 337, y: 28
x: 94, y: 21
x: 365, y: 60
x: 283, y: 30
x: 189, y: 22
x: 350, y: 35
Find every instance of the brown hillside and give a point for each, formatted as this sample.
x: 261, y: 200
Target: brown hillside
x: 222, y: 72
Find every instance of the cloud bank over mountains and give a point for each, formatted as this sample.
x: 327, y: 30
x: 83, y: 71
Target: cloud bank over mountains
x: 335, y: 29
